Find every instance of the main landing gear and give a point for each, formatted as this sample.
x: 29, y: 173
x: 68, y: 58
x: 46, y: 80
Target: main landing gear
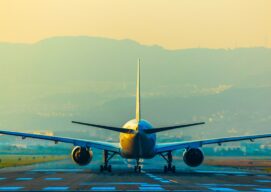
x: 169, y: 166
x: 137, y: 167
x: 106, y: 157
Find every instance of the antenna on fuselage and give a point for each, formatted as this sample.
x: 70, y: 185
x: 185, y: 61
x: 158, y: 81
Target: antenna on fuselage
x: 138, y: 113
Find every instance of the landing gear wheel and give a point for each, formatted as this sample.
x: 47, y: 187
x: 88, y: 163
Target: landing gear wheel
x: 169, y: 166
x: 106, y: 157
x: 173, y: 169
x: 101, y: 168
x: 165, y: 169
x: 109, y: 168
x: 137, y: 169
x: 106, y: 168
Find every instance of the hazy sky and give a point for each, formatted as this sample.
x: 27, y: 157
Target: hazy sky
x: 170, y: 23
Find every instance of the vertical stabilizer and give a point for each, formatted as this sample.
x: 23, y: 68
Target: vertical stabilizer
x: 138, y: 92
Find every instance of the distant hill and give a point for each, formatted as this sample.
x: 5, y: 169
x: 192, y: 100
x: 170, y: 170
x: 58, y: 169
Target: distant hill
x: 71, y: 59
x: 47, y: 84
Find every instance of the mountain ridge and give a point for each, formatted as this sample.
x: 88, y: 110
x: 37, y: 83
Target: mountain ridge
x: 48, y: 84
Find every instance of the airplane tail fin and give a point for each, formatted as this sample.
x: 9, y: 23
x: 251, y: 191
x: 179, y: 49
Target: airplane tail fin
x: 138, y: 112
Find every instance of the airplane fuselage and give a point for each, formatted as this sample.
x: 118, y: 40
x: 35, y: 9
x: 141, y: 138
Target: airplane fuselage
x: 139, y: 144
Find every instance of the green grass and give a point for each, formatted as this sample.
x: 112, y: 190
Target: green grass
x: 20, y: 160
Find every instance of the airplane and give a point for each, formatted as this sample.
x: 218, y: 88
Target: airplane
x: 137, y: 141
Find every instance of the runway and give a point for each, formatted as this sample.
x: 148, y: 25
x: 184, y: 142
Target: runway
x: 65, y: 176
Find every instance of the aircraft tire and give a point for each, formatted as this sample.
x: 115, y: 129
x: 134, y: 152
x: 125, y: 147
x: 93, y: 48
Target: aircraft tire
x: 165, y: 169
x: 173, y: 169
x: 139, y: 169
x: 109, y: 168
x: 101, y: 168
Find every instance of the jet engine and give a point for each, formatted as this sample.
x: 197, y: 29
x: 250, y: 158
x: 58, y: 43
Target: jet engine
x: 81, y: 155
x: 193, y: 157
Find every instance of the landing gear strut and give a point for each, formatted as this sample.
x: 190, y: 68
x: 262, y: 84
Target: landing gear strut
x: 106, y: 157
x: 169, y: 166
x: 137, y: 167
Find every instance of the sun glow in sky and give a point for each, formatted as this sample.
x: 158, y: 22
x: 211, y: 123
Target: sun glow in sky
x: 172, y: 24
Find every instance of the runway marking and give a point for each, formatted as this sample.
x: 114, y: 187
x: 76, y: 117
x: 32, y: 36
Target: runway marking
x: 261, y: 175
x: 128, y: 183
x: 157, y: 178
x: 10, y: 188
x: 228, y: 185
x: 263, y: 189
x: 221, y: 189
x: 52, y: 179
x: 263, y: 181
x: 151, y: 189
x: 165, y: 181
x: 114, y: 183
x: 239, y: 185
x: 223, y: 172
x: 57, y: 170
x: 24, y: 179
x: 150, y: 185
x: 55, y: 188
x: 103, y: 188
x: 186, y: 190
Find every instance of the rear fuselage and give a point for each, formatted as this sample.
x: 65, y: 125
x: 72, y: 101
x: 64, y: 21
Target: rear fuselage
x: 139, y: 144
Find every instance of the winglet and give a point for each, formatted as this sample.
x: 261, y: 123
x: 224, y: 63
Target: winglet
x: 138, y: 92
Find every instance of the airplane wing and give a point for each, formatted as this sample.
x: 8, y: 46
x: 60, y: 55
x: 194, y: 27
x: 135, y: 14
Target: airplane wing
x: 164, y: 147
x: 114, y: 147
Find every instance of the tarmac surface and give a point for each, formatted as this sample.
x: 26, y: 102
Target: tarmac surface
x: 65, y: 176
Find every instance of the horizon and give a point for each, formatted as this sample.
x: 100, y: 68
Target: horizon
x: 134, y: 41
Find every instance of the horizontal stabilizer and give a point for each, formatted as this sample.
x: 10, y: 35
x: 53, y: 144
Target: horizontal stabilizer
x: 155, y: 130
x: 118, y: 129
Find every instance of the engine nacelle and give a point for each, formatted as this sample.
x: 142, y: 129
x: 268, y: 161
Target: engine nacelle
x: 193, y: 157
x: 81, y: 155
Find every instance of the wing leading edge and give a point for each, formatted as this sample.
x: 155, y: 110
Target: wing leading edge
x: 114, y: 147
x: 164, y: 147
